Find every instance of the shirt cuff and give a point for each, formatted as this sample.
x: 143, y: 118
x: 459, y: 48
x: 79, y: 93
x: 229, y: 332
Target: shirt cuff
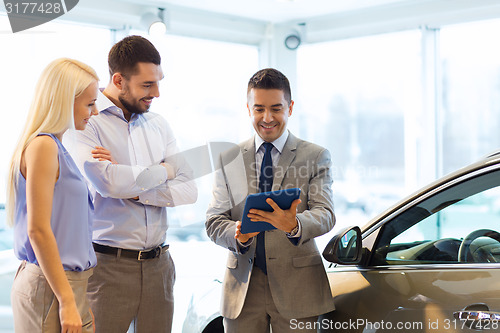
x: 246, y: 244
x: 298, y: 234
x: 244, y: 247
x: 151, y: 177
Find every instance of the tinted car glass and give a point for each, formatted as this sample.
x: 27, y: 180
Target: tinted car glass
x: 433, y: 231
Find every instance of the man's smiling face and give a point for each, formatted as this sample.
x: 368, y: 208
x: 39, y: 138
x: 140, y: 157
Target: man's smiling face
x: 139, y: 90
x: 269, y: 112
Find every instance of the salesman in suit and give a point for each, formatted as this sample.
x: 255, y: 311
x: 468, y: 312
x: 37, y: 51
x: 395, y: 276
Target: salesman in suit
x: 274, y: 278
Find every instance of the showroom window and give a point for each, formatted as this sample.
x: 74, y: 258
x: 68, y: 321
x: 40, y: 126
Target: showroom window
x: 471, y: 92
x: 24, y: 56
x: 365, y: 93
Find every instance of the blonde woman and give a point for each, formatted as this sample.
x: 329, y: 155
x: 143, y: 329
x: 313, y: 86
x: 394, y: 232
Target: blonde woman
x: 49, y: 206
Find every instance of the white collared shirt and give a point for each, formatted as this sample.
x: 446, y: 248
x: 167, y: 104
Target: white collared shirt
x: 278, y: 144
x: 137, y: 145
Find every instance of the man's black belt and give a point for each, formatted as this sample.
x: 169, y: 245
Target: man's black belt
x: 134, y: 254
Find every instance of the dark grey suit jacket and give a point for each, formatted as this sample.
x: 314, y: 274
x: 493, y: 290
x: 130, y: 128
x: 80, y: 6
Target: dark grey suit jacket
x: 295, y: 270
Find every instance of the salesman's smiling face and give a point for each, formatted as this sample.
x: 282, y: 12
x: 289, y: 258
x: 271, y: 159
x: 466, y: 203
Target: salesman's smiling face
x: 269, y: 112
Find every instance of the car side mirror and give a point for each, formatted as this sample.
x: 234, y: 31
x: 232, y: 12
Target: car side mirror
x: 345, y: 247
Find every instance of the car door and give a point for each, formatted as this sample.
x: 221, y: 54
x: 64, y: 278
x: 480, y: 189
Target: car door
x: 431, y: 266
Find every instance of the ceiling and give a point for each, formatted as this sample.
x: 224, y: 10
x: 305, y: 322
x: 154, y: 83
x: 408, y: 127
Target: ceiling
x: 256, y: 21
x: 273, y: 11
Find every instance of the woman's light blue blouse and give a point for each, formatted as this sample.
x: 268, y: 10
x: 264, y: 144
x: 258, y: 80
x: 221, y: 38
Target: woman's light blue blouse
x: 71, y: 219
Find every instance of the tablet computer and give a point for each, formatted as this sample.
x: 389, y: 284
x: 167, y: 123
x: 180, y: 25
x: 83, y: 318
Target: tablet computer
x: 283, y: 199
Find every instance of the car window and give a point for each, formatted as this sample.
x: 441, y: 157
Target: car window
x: 460, y: 224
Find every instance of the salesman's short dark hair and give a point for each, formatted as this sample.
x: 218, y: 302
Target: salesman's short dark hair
x: 270, y: 78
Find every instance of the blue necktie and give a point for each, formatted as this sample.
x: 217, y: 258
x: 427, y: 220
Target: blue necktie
x: 265, y: 185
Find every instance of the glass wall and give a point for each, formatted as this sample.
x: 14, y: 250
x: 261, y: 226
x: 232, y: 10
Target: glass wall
x: 24, y: 55
x: 356, y: 97
x: 471, y: 92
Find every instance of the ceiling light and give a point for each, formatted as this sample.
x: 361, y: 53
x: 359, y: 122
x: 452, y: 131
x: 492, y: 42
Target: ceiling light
x: 154, y: 23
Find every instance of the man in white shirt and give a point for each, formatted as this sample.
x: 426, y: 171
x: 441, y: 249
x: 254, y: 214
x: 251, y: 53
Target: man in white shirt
x: 135, y: 274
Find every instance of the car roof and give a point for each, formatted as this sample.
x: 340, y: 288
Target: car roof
x: 488, y: 161
x: 493, y: 154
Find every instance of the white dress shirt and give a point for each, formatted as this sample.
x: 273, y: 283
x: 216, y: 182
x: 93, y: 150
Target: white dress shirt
x: 138, y: 146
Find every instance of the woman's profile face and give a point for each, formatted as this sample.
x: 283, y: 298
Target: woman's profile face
x: 85, y: 106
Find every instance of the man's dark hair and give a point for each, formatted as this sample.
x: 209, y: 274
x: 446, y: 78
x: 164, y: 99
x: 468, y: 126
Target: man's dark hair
x: 270, y: 78
x: 124, y: 55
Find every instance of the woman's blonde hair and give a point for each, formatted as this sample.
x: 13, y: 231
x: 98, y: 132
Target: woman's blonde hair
x: 51, y: 111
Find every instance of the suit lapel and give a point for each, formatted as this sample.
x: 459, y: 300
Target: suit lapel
x: 286, y: 159
x: 249, y: 160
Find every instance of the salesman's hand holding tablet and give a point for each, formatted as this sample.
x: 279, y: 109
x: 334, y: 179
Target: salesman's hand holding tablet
x: 270, y: 210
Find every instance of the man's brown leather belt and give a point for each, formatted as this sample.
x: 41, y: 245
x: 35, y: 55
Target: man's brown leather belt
x: 134, y: 254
